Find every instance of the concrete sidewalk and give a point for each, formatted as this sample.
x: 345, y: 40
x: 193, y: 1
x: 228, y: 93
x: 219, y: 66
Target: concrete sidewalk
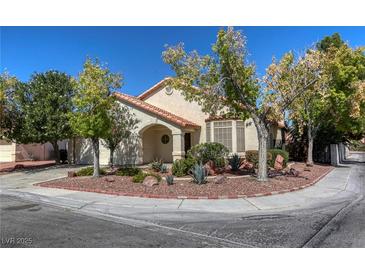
x: 340, y: 184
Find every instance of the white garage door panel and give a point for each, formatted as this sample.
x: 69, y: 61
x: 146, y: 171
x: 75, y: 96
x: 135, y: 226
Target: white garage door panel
x: 6, y: 153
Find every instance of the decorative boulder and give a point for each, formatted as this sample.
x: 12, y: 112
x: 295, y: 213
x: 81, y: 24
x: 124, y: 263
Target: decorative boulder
x: 150, y: 181
x: 210, y: 168
x: 219, y: 179
x: 279, y: 162
x: 246, y: 165
x: 293, y: 172
x: 109, y: 179
x: 71, y: 174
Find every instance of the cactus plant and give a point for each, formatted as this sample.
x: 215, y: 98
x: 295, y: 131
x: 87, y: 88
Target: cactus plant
x: 199, y: 174
x: 170, y: 179
x: 235, y: 162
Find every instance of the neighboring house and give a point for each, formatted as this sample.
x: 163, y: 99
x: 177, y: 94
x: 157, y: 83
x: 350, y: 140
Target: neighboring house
x: 13, y: 152
x: 169, y: 126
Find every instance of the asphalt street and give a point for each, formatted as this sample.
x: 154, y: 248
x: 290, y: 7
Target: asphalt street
x: 26, y: 224
x: 337, y: 222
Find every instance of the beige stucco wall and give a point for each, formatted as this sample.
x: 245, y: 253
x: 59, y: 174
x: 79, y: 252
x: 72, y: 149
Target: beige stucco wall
x: 176, y: 104
x: 20, y: 152
x: 276, y: 134
x: 153, y: 148
x: 251, y: 140
x: 7, y: 151
x: 131, y: 152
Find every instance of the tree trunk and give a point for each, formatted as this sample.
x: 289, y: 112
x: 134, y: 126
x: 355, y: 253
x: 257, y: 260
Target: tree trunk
x: 56, y: 151
x: 111, y: 157
x: 96, y: 152
x: 310, y: 147
x: 263, y: 136
x: 73, y: 150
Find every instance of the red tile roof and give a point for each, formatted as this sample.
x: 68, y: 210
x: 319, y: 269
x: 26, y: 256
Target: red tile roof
x: 136, y: 102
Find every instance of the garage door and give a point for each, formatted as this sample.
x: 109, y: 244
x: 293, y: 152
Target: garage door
x: 6, y: 152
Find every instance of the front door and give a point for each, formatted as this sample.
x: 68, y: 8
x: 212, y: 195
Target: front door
x: 187, y: 142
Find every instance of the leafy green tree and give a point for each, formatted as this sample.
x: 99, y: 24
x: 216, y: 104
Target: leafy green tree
x: 335, y: 104
x: 346, y: 68
x: 92, y: 103
x: 328, y: 42
x: 224, y: 81
x: 307, y: 111
x: 47, y: 102
x: 123, y: 123
x: 12, y: 126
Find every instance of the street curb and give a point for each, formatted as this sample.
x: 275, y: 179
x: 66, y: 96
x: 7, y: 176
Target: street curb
x: 322, y: 234
x: 209, y: 197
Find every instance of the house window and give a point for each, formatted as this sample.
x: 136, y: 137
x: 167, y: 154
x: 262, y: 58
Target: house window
x: 165, y: 139
x: 240, y: 129
x: 208, y: 133
x: 223, y: 133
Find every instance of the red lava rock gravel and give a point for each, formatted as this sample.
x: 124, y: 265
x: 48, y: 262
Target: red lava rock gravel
x: 231, y: 188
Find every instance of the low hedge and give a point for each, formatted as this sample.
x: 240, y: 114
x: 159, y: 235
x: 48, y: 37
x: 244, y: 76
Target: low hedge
x: 253, y: 156
x: 128, y: 171
x: 208, y: 152
x: 181, y: 167
x: 88, y: 171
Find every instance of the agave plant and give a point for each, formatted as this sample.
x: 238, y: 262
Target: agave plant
x: 157, y: 164
x: 170, y: 179
x: 235, y: 162
x: 199, y: 174
x: 164, y: 169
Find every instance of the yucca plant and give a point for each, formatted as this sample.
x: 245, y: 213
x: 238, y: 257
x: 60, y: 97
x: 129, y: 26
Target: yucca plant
x: 170, y: 179
x: 235, y: 162
x: 199, y: 174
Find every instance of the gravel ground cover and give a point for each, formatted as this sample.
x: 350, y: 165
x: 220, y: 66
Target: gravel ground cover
x: 231, y: 188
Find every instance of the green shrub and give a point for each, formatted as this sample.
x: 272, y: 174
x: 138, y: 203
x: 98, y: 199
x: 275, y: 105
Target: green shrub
x: 235, y: 162
x: 199, y: 174
x: 88, y: 171
x: 274, y: 153
x: 128, y: 171
x: 156, y: 165
x: 181, y: 167
x: 220, y: 162
x: 253, y: 157
x: 138, y: 178
x: 208, y: 151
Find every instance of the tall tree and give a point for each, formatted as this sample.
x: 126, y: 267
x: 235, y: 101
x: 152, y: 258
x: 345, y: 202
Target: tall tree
x: 123, y: 123
x: 337, y: 100
x: 92, y: 103
x: 346, y: 68
x: 12, y: 124
x: 307, y: 111
x: 47, y: 102
x: 226, y: 81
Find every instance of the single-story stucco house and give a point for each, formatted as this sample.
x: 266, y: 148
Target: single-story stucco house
x: 169, y: 126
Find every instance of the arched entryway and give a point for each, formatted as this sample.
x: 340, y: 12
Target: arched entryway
x: 157, y: 143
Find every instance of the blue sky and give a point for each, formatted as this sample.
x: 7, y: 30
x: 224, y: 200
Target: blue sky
x: 136, y: 51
